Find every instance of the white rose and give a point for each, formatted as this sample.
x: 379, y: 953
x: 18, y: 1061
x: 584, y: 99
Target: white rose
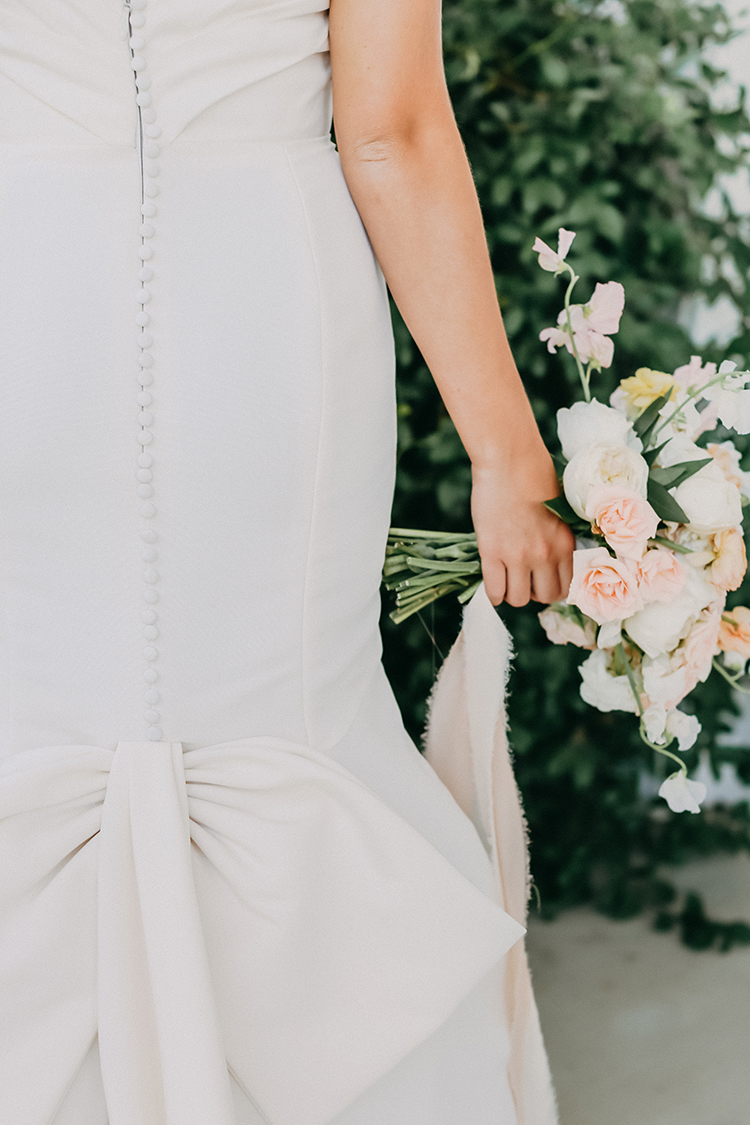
x: 602, y: 690
x: 660, y: 626
x: 585, y: 422
x: 685, y: 728
x: 680, y: 448
x: 710, y: 502
x: 603, y: 464
x: 682, y: 794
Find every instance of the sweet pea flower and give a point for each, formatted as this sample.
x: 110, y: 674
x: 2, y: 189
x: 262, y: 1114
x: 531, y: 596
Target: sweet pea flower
x: 727, y: 456
x: 694, y: 374
x: 549, y: 260
x: 603, y: 588
x: 731, y: 399
x: 600, y: 689
x: 592, y: 325
x: 614, y: 465
x: 683, y: 727
x: 729, y: 566
x: 664, y: 681
x: 626, y: 520
x: 734, y: 631
x: 682, y: 794
x: 562, y: 628
x: 654, y: 724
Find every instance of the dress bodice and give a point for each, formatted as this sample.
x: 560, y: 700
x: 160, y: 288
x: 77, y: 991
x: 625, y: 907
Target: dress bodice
x: 222, y: 69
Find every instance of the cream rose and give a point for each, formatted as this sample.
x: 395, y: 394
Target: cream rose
x: 602, y: 690
x: 660, y: 576
x: 584, y: 422
x: 615, y: 465
x: 603, y: 588
x: 562, y: 628
x: 729, y: 566
x: 625, y: 519
x: 710, y: 502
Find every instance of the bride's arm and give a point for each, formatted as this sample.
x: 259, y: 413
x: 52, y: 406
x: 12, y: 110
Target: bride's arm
x: 409, y: 176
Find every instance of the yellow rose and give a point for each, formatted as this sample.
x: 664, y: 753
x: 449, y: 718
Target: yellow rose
x: 645, y: 386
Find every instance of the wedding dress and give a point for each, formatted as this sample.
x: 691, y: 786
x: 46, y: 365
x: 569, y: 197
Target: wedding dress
x: 232, y: 892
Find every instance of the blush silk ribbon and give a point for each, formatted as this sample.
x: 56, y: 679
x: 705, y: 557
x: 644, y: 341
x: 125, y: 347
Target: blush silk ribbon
x: 467, y: 746
x: 249, y: 907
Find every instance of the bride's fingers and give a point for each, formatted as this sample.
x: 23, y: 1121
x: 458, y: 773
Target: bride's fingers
x: 518, y: 589
x: 545, y: 585
x: 565, y: 571
x: 495, y: 582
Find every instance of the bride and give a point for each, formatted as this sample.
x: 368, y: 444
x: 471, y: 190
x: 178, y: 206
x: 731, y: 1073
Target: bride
x: 233, y: 892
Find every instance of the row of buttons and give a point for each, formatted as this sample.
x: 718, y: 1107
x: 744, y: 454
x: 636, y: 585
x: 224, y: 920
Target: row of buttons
x: 148, y: 134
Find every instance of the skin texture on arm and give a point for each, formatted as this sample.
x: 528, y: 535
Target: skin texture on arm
x: 408, y: 174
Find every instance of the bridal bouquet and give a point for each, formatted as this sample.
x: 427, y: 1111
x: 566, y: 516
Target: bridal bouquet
x: 657, y: 520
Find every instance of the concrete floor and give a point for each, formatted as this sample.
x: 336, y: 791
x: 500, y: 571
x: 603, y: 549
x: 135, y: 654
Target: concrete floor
x: 641, y: 1030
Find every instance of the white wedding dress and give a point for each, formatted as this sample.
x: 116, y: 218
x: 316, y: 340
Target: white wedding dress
x: 232, y: 892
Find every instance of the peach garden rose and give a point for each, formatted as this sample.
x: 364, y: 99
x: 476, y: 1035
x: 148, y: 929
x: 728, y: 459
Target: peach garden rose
x: 603, y: 587
x: 625, y: 519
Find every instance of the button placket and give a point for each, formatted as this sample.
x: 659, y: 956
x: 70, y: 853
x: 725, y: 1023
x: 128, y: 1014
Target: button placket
x: 148, y: 151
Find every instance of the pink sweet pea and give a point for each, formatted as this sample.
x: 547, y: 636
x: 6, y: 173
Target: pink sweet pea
x: 626, y: 520
x: 592, y: 325
x: 603, y: 588
x: 549, y: 260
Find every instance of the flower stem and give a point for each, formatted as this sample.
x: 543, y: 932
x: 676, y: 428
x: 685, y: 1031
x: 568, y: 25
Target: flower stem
x: 693, y: 394
x: 731, y: 679
x: 584, y: 376
x: 631, y: 678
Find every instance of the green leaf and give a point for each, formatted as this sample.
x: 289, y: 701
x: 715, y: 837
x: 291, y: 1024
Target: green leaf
x: 562, y: 508
x: 664, y: 504
x: 650, y: 455
x: 676, y: 474
x: 646, y: 421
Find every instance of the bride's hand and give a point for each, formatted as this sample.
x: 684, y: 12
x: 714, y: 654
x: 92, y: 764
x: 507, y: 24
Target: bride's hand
x: 526, y: 551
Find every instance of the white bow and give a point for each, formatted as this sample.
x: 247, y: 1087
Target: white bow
x: 259, y: 909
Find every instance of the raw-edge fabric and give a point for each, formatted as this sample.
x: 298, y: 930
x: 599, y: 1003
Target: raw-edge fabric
x: 466, y: 743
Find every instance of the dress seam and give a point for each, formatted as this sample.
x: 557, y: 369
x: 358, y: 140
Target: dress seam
x: 316, y: 481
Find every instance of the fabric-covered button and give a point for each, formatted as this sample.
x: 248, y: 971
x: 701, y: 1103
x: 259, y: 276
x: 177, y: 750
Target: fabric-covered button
x: 148, y: 510
x: 150, y: 653
x: 144, y: 475
x: 142, y: 318
x: 148, y: 115
x: 150, y: 595
x: 151, y: 149
x: 150, y: 632
x: 138, y: 62
x: 148, y: 535
x: 136, y: 42
x: 145, y: 490
x: 148, y: 617
x: 148, y: 554
x: 143, y: 98
x: 145, y: 437
x: 146, y: 417
x: 147, y: 229
x: 148, y: 208
x: 151, y: 189
x: 150, y: 715
x: 151, y: 168
x: 146, y: 359
x: 145, y: 339
x: 137, y: 5
x: 145, y: 273
x: 137, y: 19
x: 151, y: 575
x: 151, y: 695
x: 145, y: 252
x: 150, y: 675
x: 153, y: 131
x: 154, y: 734
x: 143, y: 296
x: 145, y: 378
x: 143, y: 81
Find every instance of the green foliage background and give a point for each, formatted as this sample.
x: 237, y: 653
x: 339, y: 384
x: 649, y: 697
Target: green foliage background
x: 599, y: 118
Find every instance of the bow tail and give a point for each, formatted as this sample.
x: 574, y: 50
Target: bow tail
x: 161, y: 1053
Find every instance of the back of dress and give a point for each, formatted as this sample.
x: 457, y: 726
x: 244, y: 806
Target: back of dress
x: 232, y: 891
x: 197, y: 450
